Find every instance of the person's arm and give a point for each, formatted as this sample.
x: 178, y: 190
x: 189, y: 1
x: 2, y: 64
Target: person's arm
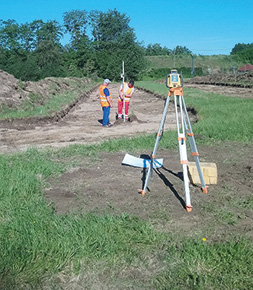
x: 107, y: 94
x: 121, y: 92
x: 130, y: 95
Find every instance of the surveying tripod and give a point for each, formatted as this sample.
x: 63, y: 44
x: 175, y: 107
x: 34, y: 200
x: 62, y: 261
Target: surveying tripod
x: 174, y: 82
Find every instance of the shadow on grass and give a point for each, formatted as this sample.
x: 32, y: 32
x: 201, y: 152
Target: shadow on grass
x: 164, y: 179
x: 169, y: 184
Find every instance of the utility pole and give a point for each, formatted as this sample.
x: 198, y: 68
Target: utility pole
x: 192, y: 65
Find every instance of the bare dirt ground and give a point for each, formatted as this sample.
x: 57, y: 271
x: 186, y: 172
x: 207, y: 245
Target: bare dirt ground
x: 227, y: 91
x: 239, y: 85
x: 105, y: 185
x: 82, y: 124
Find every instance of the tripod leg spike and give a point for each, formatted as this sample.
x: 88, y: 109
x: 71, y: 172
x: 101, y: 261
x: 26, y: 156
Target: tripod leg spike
x: 142, y: 192
x: 204, y: 189
x: 188, y: 208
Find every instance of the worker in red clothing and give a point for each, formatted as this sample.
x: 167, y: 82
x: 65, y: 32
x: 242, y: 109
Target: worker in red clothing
x: 125, y: 94
x: 106, y: 102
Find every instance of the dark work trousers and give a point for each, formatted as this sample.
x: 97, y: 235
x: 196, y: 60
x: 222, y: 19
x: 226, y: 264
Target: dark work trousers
x: 106, y: 113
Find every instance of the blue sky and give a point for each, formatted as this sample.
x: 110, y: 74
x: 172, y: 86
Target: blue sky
x: 205, y: 27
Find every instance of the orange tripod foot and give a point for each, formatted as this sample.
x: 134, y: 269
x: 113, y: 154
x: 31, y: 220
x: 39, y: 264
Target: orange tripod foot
x: 142, y: 192
x: 204, y: 189
x: 188, y: 208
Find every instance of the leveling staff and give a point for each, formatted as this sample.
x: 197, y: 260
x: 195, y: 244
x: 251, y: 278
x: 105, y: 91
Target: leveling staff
x: 106, y: 102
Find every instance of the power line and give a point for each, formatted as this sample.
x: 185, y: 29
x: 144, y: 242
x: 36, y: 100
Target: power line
x: 210, y: 49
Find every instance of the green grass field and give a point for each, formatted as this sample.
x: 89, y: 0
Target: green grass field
x: 36, y: 245
x: 220, y: 117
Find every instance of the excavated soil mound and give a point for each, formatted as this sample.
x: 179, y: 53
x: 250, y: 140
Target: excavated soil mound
x: 244, y: 80
x: 240, y: 85
x: 13, y: 91
x: 10, y: 92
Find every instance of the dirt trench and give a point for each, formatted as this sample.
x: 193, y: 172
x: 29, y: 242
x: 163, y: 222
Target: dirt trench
x: 82, y: 124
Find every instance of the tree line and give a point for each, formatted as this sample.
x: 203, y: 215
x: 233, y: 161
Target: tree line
x: 244, y: 52
x: 99, y: 41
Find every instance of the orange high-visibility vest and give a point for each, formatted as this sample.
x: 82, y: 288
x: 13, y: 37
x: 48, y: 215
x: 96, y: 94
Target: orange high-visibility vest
x: 128, y: 92
x: 102, y: 97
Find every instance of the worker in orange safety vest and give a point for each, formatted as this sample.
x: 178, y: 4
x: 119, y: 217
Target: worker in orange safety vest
x: 105, y: 102
x: 125, y: 92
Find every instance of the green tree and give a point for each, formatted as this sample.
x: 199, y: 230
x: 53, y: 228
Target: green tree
x: 24, y: 66
x: 246, y: 55
x: 114, y: 41
x: 181, y: 50
x: 26, y: 37
x: 47, y: 47
x: 33, y: 50
x: 9, y: 34
x: 110, y: 58
x: 75, y: 23
x: 47, y: 53
x: 32, y: 34
x: 239, y: 47
x: 49, y: 31
x: 109, y: 26
x: 30, y: 49
x: 80, y: 48
x: 157, y: 49
x: 15, y: 48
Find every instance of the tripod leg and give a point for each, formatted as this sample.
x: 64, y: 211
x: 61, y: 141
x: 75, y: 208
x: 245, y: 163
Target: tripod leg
x: 193, y: 146
x: 183, y: 153
x: 186, y: 178
x: 158, y: 137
